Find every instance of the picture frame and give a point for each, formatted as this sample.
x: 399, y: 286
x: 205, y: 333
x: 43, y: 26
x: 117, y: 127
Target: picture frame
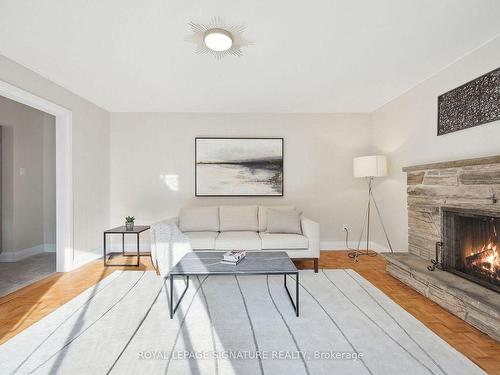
x: 239, y: 167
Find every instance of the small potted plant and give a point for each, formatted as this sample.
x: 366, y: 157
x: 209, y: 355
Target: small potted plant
x: 129, y: 222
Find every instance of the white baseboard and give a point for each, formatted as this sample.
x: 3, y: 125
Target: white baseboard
x: 86, y: 257
x: 83, y: 258
x: 97, y: 253
x: 49, y: 248
x: 340, y: 245
x: 16, y: 256
x: 378, y: 247
x: 145, y: 247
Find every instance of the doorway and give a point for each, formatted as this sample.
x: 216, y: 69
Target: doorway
x: 28, y: 195
x: 64, y: 169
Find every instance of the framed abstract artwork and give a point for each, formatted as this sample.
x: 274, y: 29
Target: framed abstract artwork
x: 474, y: 103
x: 235, y: 167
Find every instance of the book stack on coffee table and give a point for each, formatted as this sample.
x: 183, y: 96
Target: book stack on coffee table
x: 233, y: 257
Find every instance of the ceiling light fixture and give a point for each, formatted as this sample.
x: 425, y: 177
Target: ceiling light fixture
x: 218, y: 38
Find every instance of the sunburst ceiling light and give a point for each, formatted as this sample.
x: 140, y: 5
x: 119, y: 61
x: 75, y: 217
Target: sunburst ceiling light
x: 218, y: 38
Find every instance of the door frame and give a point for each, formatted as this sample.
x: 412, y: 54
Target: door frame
x: 64, y: 169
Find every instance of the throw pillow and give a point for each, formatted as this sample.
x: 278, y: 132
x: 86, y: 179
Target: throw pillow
x: 199, y: 219
x: 283, y: 221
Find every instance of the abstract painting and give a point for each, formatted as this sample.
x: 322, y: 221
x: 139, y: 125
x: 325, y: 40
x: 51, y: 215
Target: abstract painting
x: 238, y: 166
x: 474, y: 103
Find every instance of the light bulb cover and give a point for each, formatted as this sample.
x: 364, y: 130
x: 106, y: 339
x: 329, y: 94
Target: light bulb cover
x: 218, y: 39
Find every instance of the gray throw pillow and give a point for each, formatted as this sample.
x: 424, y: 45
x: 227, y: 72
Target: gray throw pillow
x: 283, y: 221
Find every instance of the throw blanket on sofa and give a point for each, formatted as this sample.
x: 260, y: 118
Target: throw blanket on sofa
x: 168, y: 245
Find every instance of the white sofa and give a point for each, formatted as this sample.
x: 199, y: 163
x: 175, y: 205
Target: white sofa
x: 244, y: 228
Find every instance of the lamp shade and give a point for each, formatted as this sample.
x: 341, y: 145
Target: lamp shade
x: 370, y: 166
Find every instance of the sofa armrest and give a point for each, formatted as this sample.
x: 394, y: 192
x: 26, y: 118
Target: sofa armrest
x: 310, y: 229
x: 158, y: 233
x: 168, y: 245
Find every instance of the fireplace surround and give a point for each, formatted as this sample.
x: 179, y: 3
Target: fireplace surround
x: 471, y: 245
x: 453, y: 228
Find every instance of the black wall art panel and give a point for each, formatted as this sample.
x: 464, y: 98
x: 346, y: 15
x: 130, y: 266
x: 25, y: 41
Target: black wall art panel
x: 474, y: 103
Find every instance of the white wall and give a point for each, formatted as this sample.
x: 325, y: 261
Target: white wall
x: 152, y: 163
x: 90, y: 154
x: 405, y: 129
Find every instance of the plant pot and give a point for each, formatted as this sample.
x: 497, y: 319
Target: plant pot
x: 129, y: 226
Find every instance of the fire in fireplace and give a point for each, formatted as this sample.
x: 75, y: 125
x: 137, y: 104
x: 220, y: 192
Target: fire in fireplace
x: 471, y: 246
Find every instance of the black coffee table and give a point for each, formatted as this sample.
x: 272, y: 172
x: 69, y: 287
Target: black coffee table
x: 208, y: 263
x: 138, y: 229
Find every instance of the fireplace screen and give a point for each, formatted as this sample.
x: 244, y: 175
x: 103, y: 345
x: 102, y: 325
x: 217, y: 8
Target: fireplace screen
x: 472, y: 246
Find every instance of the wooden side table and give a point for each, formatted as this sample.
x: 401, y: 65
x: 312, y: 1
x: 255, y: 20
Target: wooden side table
x: 138, y: 229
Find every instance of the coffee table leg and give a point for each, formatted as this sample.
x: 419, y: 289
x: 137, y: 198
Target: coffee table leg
x: 171, y: 297
x: 297, y: 294
x: 171, y: 302
x: 296, y: 303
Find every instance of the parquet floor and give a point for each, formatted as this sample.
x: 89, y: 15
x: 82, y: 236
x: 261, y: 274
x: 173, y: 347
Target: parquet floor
x: 26, y: 306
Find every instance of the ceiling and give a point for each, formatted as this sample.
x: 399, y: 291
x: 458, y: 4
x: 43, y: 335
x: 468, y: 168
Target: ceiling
x: 317, y: 56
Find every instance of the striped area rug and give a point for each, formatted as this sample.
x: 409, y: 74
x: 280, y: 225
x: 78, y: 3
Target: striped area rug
x: 231, y: 325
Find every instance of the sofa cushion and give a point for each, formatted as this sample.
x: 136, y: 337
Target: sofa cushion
x: 283, y: 221
x: 274, y: 241
x: 263, y: 215
x: 238, y: 240
x: 199, y: 219
x: 238, y: 218
x: 202, y: 240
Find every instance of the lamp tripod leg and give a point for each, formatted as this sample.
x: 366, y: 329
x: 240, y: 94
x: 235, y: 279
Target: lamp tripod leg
x: 381, y: 222
x: 368, y: 215
x: 355, y: 254
x: 362, y: 231
x: 366, y: 224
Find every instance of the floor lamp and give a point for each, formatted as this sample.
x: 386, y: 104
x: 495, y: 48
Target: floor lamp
x: 369, y: 167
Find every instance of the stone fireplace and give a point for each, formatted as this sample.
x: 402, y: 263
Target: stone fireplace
x: 454, y: 239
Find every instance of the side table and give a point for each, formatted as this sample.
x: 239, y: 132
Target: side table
x: 138, y: 229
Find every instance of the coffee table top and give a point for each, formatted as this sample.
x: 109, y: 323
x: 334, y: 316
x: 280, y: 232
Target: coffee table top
x: 255, y: 263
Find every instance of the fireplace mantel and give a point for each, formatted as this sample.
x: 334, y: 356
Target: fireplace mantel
x: 454, y: 164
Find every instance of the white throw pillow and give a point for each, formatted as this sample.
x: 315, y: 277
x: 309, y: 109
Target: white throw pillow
x: 238, y: 218
x: 283, y: 221
x: 263, y: 215
x: 199, y: 219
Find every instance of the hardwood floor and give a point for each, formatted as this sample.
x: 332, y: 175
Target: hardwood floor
x: 24, y: 307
